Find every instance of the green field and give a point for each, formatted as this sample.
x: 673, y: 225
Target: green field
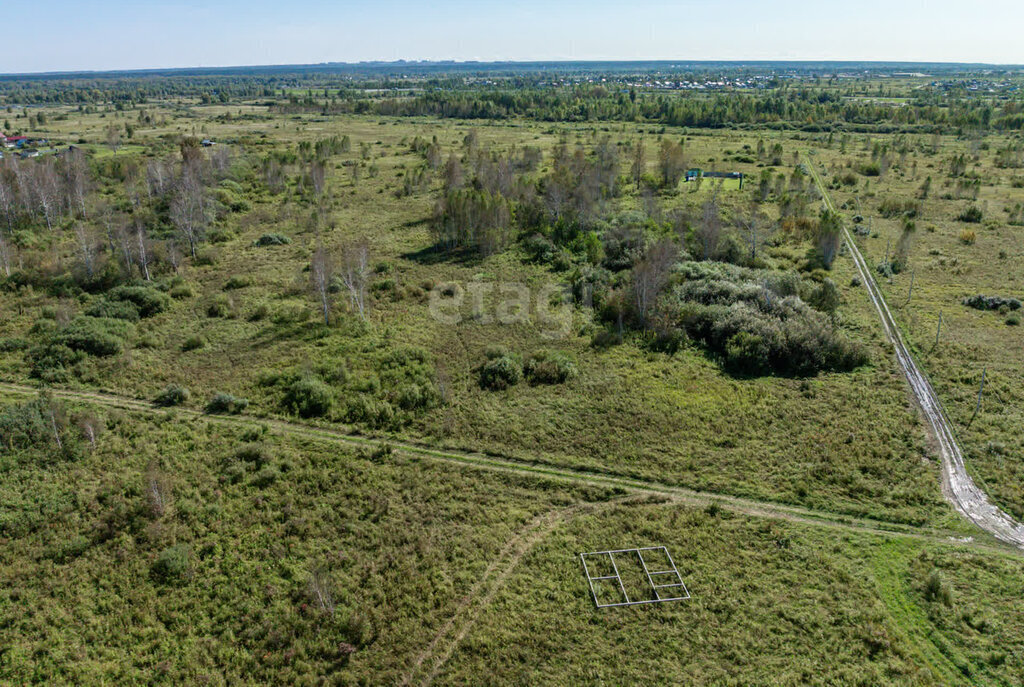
x: 229, y: 476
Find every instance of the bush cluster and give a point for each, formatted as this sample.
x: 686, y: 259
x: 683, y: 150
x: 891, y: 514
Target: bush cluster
x: 972, y: 215
x: 147, y: 300
x: 549, y: 367
x: 757, y: 328
x: 980, y: 302
x: 309, y: 397
x: 222, y: 403
x: 172, y: 395
x: 501, y: 370
x: 172, y: 565
x: 272, y: 240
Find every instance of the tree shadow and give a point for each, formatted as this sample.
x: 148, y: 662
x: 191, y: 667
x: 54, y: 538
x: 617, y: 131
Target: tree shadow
x: 434, y: 255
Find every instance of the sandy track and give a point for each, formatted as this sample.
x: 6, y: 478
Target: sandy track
x: 968, y: 499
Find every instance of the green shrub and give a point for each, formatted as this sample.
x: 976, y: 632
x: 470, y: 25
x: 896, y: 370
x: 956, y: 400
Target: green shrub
x: 226, y: 403
x: 193, y: 343
x: 181, y: 291
x: 309, y: 397
x: 936, y: 589
x: 92, y: 335
x: 272, y: 240
x: 121, y: 310
x: 547, y: 367
x: 257, y: 454
x: 1000, y: 303
x: 492, y: 352
x: 260, y: 312
x: 375, y: 412
x: 746, y: 354
x: 172, y: 565
x: 500, y: 373
x: 172, y: 395
x: 1013, y: 320
x: 290, y: 314
x: 237, y: 282
x: 220, y: 235
x: 148, y: 300
x: 972, y: 215
x: 267, y: 475
x: 28, y: 427
x: 754, y: 330
x: 896, y: 208
x: 12, y: 344
x: 54, y: 363
x: 219, y: 307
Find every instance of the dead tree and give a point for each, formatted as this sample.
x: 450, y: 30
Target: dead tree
x: 639, y: 165
x: 709, y: 231
x: 86, y: 251
x: 189, y: 208
x: 650, y: 276
x: 355, y: 274
x: 320, y: 591
x: 140, y: 239
x: 321, y: 273
x: 158, y: 491
x: 754, y: 227
x: 5, y: 254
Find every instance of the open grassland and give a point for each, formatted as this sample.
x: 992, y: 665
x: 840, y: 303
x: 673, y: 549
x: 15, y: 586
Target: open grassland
x: 847, y: 442
x: 176, y: 549
x: 868, y: 616
x: 275, y: 558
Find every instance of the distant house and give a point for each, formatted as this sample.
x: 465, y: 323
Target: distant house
x: 695, y: 174
x: 29, y: 152
x: 206, y: 143
x: 16, y: 141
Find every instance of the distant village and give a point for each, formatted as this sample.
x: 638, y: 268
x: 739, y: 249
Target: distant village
x: 26, y: 146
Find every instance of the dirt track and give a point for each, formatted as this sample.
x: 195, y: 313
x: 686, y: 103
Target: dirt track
x: 479, y: 461
x: 957, y: 485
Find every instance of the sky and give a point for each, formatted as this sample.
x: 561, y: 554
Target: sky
x: 71, y: 35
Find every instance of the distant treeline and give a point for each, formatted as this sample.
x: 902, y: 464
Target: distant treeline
x: 809, y: 104
x: 808, y: 109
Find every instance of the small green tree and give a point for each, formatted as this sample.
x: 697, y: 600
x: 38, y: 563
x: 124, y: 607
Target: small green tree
x: 826, y: 298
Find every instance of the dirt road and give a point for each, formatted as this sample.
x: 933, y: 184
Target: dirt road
x: 480, y: 461
x: 958, y: 486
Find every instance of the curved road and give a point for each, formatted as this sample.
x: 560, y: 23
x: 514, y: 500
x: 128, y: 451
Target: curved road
x: 960, y: 489
x: 479, y: 461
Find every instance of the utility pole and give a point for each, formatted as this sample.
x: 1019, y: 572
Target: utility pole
x: 980, y: 390
x: 911, y: 291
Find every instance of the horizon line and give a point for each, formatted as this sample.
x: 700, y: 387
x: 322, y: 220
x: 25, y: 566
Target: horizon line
x: 453, y: 62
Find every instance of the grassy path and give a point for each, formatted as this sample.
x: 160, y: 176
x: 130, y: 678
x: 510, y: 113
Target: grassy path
x: 682, y: 495
x: 934, y: 652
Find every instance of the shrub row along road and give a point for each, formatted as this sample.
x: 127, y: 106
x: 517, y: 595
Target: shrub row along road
x: 682, y: 495
x: 959, y: 488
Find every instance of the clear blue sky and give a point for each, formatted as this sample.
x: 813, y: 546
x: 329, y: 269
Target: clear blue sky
x: 52, y: 35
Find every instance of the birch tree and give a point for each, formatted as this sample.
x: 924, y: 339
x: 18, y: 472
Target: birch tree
x: 189, y: 209
x: 355, y: 274
x: 321, y: 273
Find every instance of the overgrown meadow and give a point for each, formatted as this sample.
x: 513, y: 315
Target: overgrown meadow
x: 534, y: 284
